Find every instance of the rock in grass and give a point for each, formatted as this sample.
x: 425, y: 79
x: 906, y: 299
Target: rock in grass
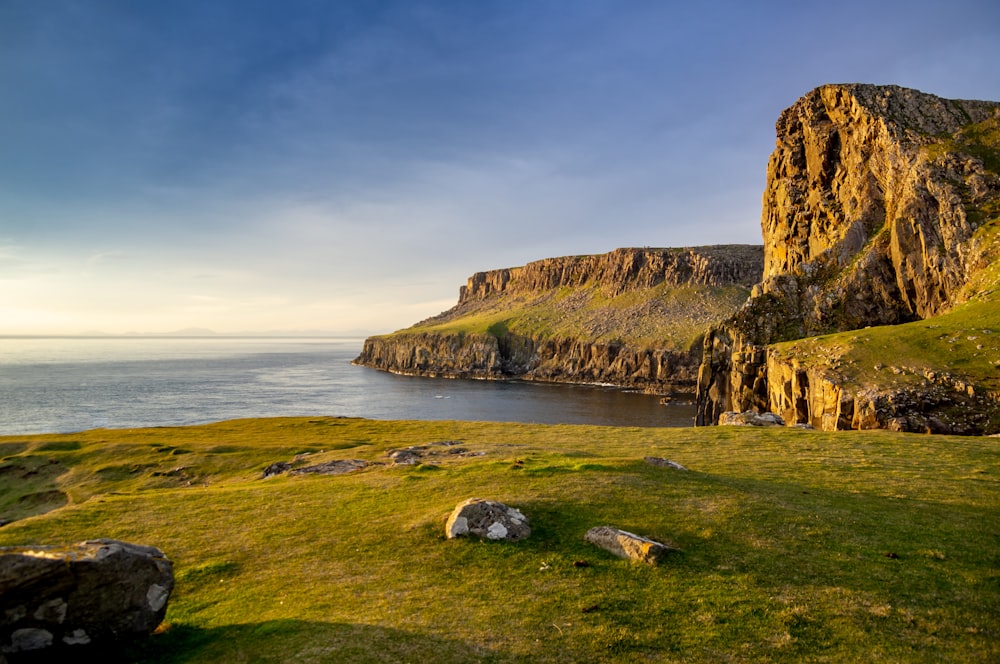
x: 628, y: 545
x: 664, y: 463
x: 95, y: 592
x: 335, y: 467
x: 751, y: 418
x: 487, y: 519
x: 277, y: 468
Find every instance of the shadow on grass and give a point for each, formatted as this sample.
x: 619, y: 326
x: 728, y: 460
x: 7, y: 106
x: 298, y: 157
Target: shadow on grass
x: 783, y: 532
x: 300, y: 641
x: 28, y: 487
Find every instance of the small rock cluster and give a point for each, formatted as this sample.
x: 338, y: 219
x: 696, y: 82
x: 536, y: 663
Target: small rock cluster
x: 415, y: 454
x: 335, y: 467
x: 492, y: 520
x: 407, y: 456
x: 95, y: 592
x: 664, y: 463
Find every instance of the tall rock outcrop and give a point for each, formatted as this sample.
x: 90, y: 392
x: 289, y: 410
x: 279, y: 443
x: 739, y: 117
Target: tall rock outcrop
x: 870, y: 214
x: 631, y: 318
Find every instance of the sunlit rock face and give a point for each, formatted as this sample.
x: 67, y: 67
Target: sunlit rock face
x: 858, y: 187
x: 872, y: 199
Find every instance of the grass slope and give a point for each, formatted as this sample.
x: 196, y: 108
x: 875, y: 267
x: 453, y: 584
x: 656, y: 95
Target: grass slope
x: 785, y: 535
x: 664, y: 316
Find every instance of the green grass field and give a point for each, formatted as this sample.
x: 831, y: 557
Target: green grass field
x: 796, y: 545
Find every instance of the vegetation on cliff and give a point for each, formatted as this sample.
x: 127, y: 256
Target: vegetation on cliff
x: 795, y: 545
x: 664, y: 316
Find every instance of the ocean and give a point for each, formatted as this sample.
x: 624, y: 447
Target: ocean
x: 61, y: 384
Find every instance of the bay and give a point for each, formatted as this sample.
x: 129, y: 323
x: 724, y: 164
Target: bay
x: 62, y: 384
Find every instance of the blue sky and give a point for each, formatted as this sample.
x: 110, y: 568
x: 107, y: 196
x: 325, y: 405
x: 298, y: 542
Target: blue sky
x: 344, y: 166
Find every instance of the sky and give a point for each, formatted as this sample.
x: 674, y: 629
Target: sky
x: 343, y: 166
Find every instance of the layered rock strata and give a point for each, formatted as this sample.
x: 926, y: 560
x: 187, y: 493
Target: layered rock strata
x: 623, y: 270
x: 873, y: 196
x: 503, y: 352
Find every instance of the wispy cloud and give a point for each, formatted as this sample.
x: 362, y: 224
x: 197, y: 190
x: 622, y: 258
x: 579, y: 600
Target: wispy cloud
x: 252, y: 164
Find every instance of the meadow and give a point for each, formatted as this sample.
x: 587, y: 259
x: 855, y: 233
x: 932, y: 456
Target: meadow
x: 795, y: 545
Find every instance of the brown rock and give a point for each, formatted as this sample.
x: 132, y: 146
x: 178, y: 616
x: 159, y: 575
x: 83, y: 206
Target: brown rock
x: 628, y: 545
x: 335, y: 467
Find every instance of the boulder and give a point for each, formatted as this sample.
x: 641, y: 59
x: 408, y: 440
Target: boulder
x: 95, y: 592
x: 487, y: 519
x: 628, y: 545
x: 751, y: 418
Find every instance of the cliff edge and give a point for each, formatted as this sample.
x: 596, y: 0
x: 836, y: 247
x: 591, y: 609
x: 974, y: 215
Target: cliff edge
x: 880, y: 209
x: 632, y: 318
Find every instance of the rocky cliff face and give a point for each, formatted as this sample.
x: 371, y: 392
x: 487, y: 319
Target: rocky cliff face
x: 556, y: 360
x: 580, y: 342
x: 874, y: 195
x: 623, y: 270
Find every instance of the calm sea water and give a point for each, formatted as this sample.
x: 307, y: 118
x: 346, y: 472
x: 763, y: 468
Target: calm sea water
x: 73, y: 384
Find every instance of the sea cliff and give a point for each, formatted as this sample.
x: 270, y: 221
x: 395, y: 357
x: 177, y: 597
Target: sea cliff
x: 873, y: 303
x: 631, y: 318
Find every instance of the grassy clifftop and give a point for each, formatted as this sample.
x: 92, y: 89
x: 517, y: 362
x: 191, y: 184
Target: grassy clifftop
x: 796, y: 545
x: 664, y: 316
x: 659, y: 298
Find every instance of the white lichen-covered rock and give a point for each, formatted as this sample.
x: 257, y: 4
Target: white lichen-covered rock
x: 98, y: 591
x: 628, y: 545
x: 487, y: 519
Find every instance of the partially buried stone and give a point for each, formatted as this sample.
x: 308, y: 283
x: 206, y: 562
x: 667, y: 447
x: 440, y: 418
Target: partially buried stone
x: 664, y: 463
x: 98, y: 591
x: 335, y: 467
x: 628, y: 545
x: 487, y: 519
x: 277, y: 468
